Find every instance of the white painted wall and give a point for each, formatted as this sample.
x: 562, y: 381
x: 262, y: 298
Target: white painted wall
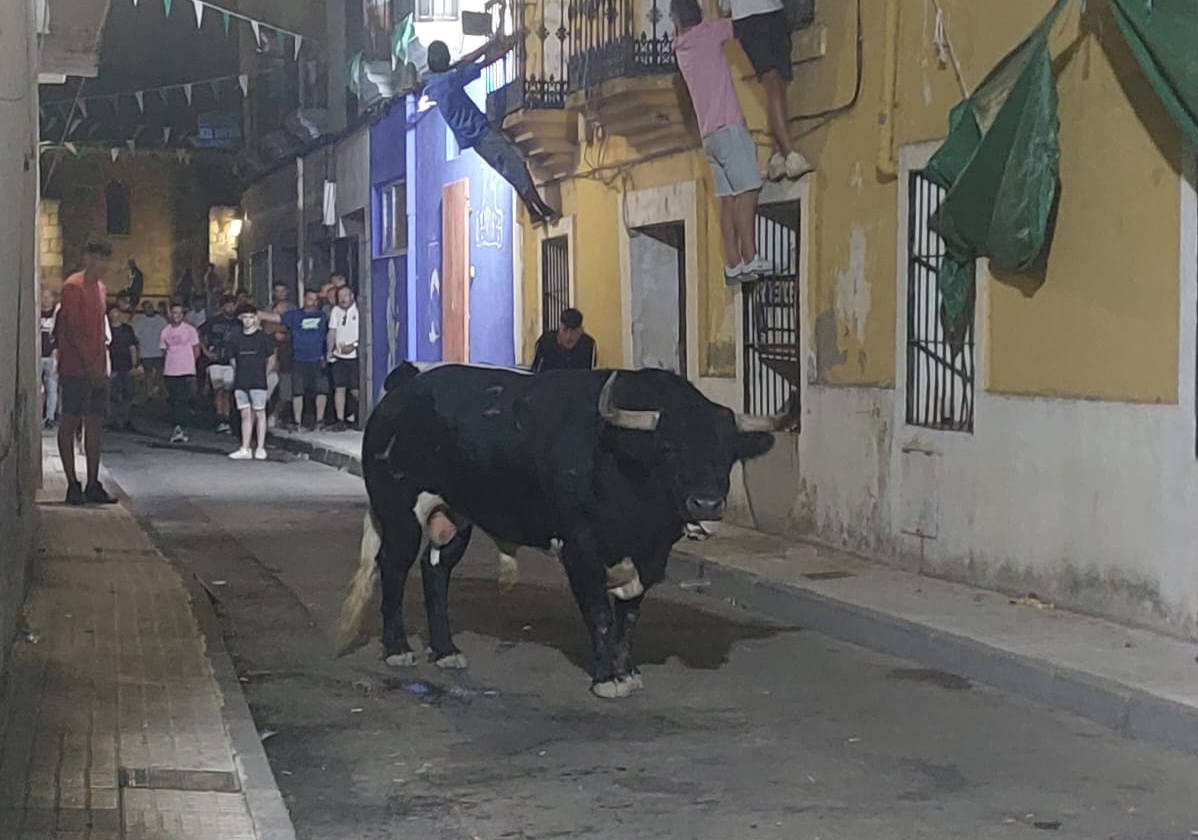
x: 20, y: 403
x: 1090, y: 504
x: 353, y: 172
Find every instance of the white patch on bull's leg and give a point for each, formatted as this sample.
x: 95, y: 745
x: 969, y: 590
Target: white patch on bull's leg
x: 364, y: 590
x: 432, y: 513
x: 454, y: 662
x: 509, y: 570
x: 434, y: 556
x: 623, y: 581
x: 612, y: 689
x: 401, y: 660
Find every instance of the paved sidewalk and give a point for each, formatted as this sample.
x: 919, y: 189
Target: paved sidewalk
x: 1140, y: 683
x: 115, y: 719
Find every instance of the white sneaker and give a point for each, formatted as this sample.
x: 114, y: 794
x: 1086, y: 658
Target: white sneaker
x: 733, y: 276
x: 223, y: 428
x: 177, y: 436
x: 241, y: 455
x: 759, y: 266
x: 259, y: 454
x: 797, y: 166
x: 776, y: 170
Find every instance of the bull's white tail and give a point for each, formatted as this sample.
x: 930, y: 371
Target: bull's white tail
x: 363, y: 592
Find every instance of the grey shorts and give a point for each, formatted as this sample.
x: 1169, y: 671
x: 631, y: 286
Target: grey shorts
x: 733, y: 158
x: 502, y: 156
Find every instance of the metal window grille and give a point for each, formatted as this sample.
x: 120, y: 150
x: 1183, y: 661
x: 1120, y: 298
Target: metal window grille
x: 940, y: 365
x: 555, y: 279
x: 771, y: 313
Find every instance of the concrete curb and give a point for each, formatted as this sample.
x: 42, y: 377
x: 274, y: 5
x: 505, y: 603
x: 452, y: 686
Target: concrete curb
x: 1127, y: 709
x: 264, y: 800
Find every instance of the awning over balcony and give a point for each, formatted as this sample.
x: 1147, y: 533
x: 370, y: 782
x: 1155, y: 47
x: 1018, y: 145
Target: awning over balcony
x: 69, y: 37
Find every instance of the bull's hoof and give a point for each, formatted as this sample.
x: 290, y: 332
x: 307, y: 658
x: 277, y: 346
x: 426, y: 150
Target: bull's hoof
x: 401, y: 660
x: 509, y: 571
x: 453, y: 662
x: 618, y: 688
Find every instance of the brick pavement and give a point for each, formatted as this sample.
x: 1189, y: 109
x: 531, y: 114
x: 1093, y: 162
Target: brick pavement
x: 111, y: 721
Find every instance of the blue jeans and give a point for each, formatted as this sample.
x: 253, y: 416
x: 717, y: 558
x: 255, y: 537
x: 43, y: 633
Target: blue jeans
x: 50, y: 388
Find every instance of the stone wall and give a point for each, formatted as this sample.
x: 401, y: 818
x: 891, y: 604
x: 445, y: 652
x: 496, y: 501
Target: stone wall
x: 169, y: 201
x: 50, y: 244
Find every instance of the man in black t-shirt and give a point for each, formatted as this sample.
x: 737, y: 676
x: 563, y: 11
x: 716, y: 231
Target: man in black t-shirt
x: 252, y: 354
x: 566, y: 348
x: 122, y: 353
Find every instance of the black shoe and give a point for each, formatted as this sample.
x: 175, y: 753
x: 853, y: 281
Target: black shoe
x: 75, y: 494
x: 339, y: 426
x: 96, y: 494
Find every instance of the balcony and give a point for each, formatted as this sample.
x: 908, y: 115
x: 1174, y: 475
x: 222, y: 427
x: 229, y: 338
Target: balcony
x: 527, y: 95
x: 622, y: 72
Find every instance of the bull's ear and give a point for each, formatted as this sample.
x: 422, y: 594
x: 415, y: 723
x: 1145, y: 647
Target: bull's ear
x: 750, y: 445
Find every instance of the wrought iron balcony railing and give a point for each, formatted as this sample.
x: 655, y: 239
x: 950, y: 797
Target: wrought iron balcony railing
x: 618, y: 38
x: 537, y: 68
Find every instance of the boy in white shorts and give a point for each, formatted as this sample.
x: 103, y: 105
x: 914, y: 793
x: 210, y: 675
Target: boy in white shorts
x: 731, y: 152
x: 252, y: 353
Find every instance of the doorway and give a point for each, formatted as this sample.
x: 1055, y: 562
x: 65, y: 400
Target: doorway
x: 657, y: 262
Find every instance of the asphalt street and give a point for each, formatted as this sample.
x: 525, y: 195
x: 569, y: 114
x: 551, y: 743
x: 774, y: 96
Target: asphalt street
x: 745, y: 729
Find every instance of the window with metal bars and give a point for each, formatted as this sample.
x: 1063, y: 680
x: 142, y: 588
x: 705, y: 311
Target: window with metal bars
x: 940, y: 363
x: 436, y: 10
x: 555, y: 280
x: 771, y: 313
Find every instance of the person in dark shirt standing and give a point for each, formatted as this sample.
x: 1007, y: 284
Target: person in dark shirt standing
x: 566, y: 348
x: 123, y: 355
x: 137, y: 284
x: 214, y: 338
x: 446, y: 85
x: 253, y: 355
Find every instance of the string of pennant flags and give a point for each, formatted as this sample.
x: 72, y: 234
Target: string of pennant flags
x: 84, y: 105
x: 258, y: 27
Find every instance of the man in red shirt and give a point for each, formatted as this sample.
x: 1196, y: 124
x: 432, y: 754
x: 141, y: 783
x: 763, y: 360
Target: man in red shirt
x: 83, y: 370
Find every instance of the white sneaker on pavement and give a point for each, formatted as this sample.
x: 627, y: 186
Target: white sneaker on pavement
x: 259, y: 454
x: 241, y: 455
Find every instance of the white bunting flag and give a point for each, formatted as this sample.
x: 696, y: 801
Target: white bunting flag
x: 299, y: 40
x: 257, y: 27
x: 116, y: 153
x: 132, y: 144
x: 166, y: 134
x: 70, y: 147
x: 187, y: 93
x: 199, y: 7
x: 83, y: 108
x: 141, y: 101
x: 244, y: 81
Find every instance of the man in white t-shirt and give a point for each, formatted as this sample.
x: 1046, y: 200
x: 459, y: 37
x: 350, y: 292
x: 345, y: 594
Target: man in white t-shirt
x: 343, y: 351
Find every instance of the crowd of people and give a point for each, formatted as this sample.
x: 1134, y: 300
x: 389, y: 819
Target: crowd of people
x: 100, y: 355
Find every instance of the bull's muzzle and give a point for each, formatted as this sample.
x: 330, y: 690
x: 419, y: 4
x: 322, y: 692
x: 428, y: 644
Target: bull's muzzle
x: 705, y: 508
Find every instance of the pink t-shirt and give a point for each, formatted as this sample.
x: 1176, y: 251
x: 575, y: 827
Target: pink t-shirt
x: 700, y: 54
x: 177, y: 342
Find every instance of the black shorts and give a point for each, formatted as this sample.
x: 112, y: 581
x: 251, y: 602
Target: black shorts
x: 766, y: 41
x: 345, y: 374
x: 308, y: 378
x: 80, y: 398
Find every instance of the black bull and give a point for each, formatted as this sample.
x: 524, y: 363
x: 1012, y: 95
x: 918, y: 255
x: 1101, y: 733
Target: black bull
x: 606, y: 468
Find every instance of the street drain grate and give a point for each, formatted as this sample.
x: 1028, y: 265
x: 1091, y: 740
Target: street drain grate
x: 828, y: 575
x: 157, y: 778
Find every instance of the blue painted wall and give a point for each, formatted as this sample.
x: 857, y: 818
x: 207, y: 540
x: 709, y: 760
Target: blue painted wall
x: 389, y: 273
x: 438, y: 162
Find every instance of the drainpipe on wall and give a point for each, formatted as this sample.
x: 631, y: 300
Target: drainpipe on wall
x: 301, y: 250
x: 887, y: 165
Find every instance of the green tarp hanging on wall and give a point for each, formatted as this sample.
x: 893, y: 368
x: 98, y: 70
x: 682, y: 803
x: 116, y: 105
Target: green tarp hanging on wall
x: 1000, y: 161
x: 1163, y: 36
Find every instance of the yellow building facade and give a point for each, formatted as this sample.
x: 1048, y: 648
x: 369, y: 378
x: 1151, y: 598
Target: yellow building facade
x: 1052, y: 448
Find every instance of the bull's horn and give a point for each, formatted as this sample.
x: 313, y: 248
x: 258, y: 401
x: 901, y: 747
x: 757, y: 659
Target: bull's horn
x: 638, y: 421
x: 785, y: 419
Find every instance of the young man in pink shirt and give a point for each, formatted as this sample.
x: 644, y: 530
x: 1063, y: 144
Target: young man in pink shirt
x: 731, y: 152
x: 180, y: 344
